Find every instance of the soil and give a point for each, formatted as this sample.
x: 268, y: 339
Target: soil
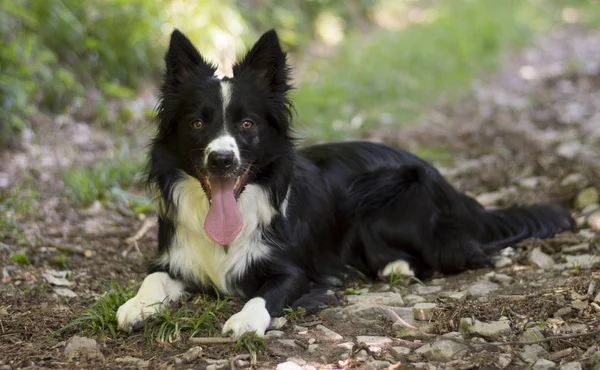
x: 536, y: 118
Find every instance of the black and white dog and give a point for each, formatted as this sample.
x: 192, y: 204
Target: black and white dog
x: 241, y: 211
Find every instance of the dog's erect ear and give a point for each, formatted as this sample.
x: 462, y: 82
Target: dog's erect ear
x: 183, y: 60
x: 267, y: 61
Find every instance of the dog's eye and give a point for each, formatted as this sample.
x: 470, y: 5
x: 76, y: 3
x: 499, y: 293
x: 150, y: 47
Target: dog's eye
x: 197, y: 124
x: 247, y: 124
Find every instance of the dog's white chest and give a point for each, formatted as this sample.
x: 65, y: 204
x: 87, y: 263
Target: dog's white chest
x: 197, y: 258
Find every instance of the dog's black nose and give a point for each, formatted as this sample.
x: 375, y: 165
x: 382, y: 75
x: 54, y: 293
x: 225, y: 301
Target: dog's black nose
x: 220, y: 160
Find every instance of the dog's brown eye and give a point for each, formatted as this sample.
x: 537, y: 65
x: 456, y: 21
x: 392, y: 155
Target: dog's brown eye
x: 247, y: 124
x: 197, y: 124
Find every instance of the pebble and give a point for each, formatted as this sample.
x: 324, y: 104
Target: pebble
x: 374, y: 343
x: 541, y: 259
x: 82, y: 346
x: 296, y: 360
x: 482, y: 288
x: 64, y: 292
x: 378, y: 365
x: 361, y: 355
x: 424, y: 311
x: 502, y: 261
x: 288, y: 342
x: 385, y: 298
x: 576, y: 248
x: 278, y: 323
x: 427, y: 289
x: 399, y: 353
x: 563, y: 311
x: 405, y: 332
x: 595, y: 359
x: 460, y: 296
x: 597, y: 298
x: 571, y: 366
x: 274, y: 334
x: 504, y: 360
x: 579, y: 304
x: 586, y: 197
x: 490, y: 199
x: 583, y: 260
x: 330, y: 335
x: 413, y: 298
x: 531, y: 334
x: 312, y: 347
x: 192, y: 354
x: 574, y: 180
x: 499, y: 278
x: 594, y: 220
x: 532, y: 352
x: 590, y: 208
x: 443, y: 350
x: 543, y: 364
x: 288, y: 365
x: 488, y: 330
x: 133, y: 361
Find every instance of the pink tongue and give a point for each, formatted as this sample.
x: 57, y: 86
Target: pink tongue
x: 224, y: 220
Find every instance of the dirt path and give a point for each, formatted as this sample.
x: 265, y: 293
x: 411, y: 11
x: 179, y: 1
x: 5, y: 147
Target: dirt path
x: 530, y: 132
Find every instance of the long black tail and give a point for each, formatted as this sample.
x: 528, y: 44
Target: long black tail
x: 503, y: 227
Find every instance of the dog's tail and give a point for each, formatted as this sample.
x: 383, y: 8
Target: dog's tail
x: 503, y: 227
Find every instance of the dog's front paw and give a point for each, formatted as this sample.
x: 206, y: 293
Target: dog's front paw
x: 254, y: 317
x: 132, y: 314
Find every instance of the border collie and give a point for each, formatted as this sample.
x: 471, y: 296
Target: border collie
x: 242, y: 212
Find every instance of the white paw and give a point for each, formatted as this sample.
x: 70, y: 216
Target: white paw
x: 254, y: 317
x: 398, y: 268
x: 132, y: 314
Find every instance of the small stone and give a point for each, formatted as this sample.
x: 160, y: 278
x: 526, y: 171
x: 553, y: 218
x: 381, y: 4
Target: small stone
x: 597, y: 298
x: 563, y: 312
x: 569, y: 149
x: 595, y: 359
x: 378, y: 365
x: 312, y: 347
x: 531, y: 353
x: 413, y: 298
x: 427, y: 289
x: 576, y: 248
x: 532, y: 334
x: 192, y: 354
x: 405, y: 332
x: 133, y: 361
x: 504, y: 360
x: 579, y: 304
x: 571, y: 366
x: 288, y: 342
x: 502, y: 261
x: 330, y: 335
x: 541, y: 259
x: 460, y: 296
x: 424, y: 311
x: 499, y: 278
x: 574, y: 180
x: 82, y: 346
x: 543, y: 364
x: 583, y: 260
x: 311, y: 340
x: 361, y: 355
x: 278, y: 323
x: 274, y: 334
x: 346, y: 345
x: 64, y: 292
x: 385, y: 298
x: 590, y: 208
x: 482, y: 288
x: 374, y: 343
x: 586, y: 197
x: 531, y: 183
x: 288, y: 366
x: 444, y: 350
x: 489, y: 330
x: 399, y: 353
x: 300, y: 328
x: 594, y: 220
x: 490, y: 199
x: 560, y: 354
x: 296, y: 360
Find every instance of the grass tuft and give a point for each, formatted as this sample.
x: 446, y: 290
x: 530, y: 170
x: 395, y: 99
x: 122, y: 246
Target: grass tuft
x: 100, y: 318
x: 202, y: 317
x: 296, y: 314
x: 20, y: 258
x: 251, y: 343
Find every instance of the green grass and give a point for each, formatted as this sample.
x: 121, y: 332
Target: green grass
x: 15, y: 204
x: 251, y: 343
x: 389, y: 78
x: 20, y: 258
x: 292, y: 314
x: 105, y: 181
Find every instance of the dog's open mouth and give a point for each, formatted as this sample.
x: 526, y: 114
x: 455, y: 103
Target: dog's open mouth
x: 224, y: 221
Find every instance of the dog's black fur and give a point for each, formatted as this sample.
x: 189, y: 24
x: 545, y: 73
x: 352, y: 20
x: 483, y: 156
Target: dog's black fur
x: 354, y: 204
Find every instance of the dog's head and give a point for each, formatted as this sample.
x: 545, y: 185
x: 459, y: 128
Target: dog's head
x: 224, y: 131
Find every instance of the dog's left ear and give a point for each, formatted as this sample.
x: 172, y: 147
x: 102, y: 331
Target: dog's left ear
x: 267, y: 62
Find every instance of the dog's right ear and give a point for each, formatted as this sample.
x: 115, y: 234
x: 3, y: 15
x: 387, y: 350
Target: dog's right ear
x: 183, y: 60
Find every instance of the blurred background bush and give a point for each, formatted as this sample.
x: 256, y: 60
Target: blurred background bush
x: 359, y: 62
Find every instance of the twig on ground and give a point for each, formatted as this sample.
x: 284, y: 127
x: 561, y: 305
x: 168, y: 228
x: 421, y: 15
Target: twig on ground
x: 64, y: 248
x: 132, y: 240
x: 238, y: 357
x: 212, y: 340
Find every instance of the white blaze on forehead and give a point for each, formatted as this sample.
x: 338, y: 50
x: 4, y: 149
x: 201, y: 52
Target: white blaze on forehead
x: 226, y: 90
x: 225, y: 142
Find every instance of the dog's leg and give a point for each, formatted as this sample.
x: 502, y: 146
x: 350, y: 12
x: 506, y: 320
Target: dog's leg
x: 157, y: 290
x: 268, y: 301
